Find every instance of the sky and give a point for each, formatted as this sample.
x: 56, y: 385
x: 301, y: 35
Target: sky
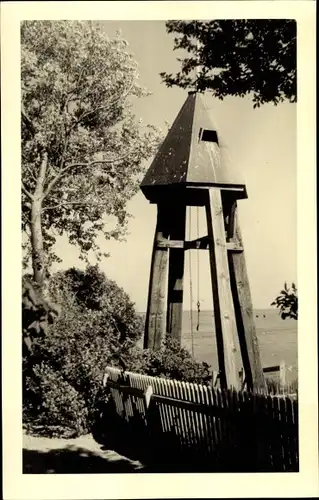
x: 261, y: 144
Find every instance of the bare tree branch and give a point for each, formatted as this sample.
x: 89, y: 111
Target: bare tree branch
x: 26, y: 192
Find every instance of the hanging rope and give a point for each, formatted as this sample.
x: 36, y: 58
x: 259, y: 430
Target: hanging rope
x: 190, y: 280
x: 197, y: 254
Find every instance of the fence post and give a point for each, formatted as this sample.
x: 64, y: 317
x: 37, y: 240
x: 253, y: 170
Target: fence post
x: 282, y: 375
x: 105, y: 378
x: 242, y: 377
x: 215, y: 378
x: 147, y: 396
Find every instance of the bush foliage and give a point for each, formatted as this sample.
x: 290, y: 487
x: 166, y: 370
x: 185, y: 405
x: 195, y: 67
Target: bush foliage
x: 171, y: 361
x: 287, y: 302
x: 97, y: 326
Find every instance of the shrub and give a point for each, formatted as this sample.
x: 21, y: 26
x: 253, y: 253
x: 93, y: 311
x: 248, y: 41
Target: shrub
x: 97, y: 326
x: 172, y: 361
x: 53, y: 404
x: 76, y: 348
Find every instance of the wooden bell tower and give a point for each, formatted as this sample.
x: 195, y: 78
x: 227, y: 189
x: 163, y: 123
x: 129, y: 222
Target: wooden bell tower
x: 189, y: 170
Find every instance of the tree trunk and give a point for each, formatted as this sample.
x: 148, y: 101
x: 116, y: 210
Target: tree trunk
x: 37, y: 242
x: 36, y: 225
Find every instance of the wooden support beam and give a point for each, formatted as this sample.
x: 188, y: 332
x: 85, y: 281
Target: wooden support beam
x: 244, y: 312
x: 224, y: 315
x: 170, y: 244
x: 155, y: 314
x: 198, y: 244
x: 282, y: 375
x: 148, y: 393
x: 234, y: 246
x: 271, y: 369
x: 176, y: 273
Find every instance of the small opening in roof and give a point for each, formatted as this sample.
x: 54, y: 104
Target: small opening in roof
x: 208, y: 135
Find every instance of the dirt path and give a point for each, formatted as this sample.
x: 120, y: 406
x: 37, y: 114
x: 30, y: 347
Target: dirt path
x: 71, y: 456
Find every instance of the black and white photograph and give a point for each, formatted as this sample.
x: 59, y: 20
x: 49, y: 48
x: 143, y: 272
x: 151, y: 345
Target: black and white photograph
x: 159, y: 258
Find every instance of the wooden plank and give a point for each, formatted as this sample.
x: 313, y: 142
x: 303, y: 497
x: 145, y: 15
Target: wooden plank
x: 148, y: 395
x: 244, y: 313
x: 224, y: 421
x: 202, y: 422
x: 185, y: 403
x: 230, y: 402
x: 183, y: 416
x: 296, y: 431
x: 215, y: 409
x: 293, y: 449
x: 161, y: 408
x: 228, y: 187
x: 155, y: 314
x: 250, y: 445
x: 277, y: 437
x: 285, y: 433
x: 242, y: 428
x: 196, y: 420
x: 170, y: 244
x: 176, y: 273
x: 234, y: 246
x: 262, y: 459
x: 282, y: 375
x: 171, y: 410
x: 217, y: 420
x: 235, y: 426
x: 206, y: 435
x: 183, y: 420
x: 269, y: 432
x: 126, y: 389
x: 137, y: 383
x: 211, y: 422
x: 197, y: 244
x: 159, y: 414
x: 225, y: 325
x: 270, y: 369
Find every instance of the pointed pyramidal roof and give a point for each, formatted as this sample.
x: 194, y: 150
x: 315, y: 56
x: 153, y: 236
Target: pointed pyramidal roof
x: 191, y: 154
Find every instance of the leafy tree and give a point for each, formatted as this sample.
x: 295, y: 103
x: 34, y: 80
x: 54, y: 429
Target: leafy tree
x: 82, y: 147
x: 91, y: 291
x: 237, y: 57
x: 287, y: 302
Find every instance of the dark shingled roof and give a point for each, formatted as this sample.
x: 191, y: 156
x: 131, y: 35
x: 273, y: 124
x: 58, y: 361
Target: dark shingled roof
x: 191, y: 154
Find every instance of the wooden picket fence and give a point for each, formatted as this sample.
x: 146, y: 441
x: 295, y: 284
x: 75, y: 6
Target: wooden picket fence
x: 192, y: 427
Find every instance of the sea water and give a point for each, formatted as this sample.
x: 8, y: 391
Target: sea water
x: 277, y: 339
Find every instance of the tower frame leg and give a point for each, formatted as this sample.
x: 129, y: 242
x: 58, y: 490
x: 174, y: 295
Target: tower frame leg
x: 176, y: 274
x: 224, y: 315
x: 155, y: 313
x: 246, y: 328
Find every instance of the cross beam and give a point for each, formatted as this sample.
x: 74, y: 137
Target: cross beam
x: 197, y: 244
